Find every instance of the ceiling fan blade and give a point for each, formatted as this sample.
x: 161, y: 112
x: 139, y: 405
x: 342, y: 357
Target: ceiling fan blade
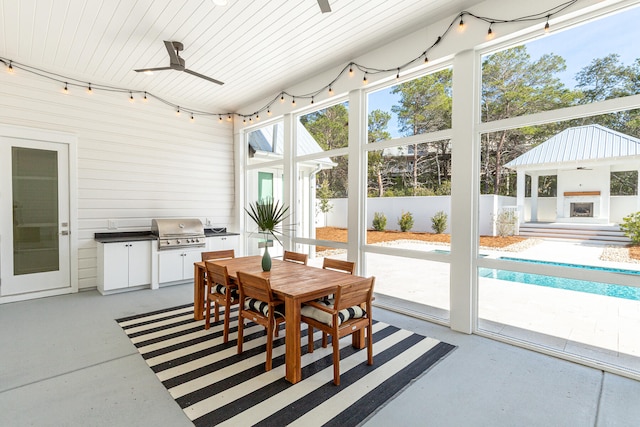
x: 173, y: 55
x: 193, y: 73
x: 324, y: 6
x: 142, y: 70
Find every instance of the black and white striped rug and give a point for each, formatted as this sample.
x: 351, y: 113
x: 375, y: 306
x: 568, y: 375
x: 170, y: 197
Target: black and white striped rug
x: 215, y: 386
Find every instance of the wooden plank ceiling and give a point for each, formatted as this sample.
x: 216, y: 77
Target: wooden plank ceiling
x: 256, y: 47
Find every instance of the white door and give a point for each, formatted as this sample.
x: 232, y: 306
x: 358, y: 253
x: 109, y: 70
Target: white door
x: 34, y: 216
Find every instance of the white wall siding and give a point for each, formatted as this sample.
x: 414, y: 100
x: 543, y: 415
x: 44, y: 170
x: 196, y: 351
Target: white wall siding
x: 136, y: 161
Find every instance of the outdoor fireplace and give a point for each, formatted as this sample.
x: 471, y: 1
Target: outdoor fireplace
x: 581, y: 209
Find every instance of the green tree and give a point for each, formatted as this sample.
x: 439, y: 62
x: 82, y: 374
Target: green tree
x: 514, y: 85
x: 425, y: 106
x: 377, y: 131
x: 330, y: 128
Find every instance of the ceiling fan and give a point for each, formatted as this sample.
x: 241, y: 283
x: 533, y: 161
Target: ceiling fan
x: 177, y: 63
x: 324, y: 6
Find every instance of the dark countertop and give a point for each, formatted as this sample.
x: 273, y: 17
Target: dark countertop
x: 133, y: 236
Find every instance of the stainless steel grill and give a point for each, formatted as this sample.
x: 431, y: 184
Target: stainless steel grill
x: 175, y: 233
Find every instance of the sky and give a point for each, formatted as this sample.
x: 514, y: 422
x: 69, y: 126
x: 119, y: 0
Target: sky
x: 618, y: 33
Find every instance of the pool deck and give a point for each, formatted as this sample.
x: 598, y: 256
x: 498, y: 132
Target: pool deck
x: 595, y: 327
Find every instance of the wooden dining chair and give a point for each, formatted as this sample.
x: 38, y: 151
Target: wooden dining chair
x: 339, y: 265
x: 260, y: 306
x: 211, y: 255
x: 295, y: 257
x: 348, y: 267
x: 342, y: 316
x: 222, y: 292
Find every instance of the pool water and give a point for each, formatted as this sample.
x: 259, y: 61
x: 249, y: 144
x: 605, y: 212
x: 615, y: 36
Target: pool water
x: 618, y: 291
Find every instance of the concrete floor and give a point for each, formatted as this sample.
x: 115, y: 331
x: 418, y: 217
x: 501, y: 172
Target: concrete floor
x: 65, y: 362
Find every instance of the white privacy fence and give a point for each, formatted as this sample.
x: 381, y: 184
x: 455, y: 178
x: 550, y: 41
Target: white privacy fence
x: 422, y: 208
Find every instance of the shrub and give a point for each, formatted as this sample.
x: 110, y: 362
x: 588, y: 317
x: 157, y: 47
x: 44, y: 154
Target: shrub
x: 506, y: 223
x: 379, y: 221
x: 405, y: 221
x: 631, y: 227
x: 439, y: 222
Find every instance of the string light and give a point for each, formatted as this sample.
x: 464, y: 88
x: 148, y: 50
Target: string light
x: 178, y: 110
x: 250, y: 120
x: 66, y: 89
x: 220, y: 119
x: 244, y: 120
x: 145, y: 97
x: 364, y: 79
x: 257, y: 117
x: 269, y: 111
x: 398, y: 74
x: 193, y: 119
x: 461, y: 25
x: 293, y: 100
x: 490, y: 34
x: 312, y: 101
x: 131, y: 97
x: 540, y: 16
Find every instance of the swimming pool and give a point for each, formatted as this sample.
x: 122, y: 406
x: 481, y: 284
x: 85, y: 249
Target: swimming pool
x: 618, y: 291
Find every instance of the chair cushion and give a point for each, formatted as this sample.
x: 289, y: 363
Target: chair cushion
x: 354, y: 312
x: 222, y: 289
x: 262, y: 307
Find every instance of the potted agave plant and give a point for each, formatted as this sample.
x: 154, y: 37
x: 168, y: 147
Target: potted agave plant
x: 268, y: 216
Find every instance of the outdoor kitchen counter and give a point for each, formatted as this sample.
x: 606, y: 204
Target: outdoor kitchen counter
x: 124, y: 236
x: 133, y: 236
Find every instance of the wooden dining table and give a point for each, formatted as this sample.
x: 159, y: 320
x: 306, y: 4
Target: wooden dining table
x: 293, y: 283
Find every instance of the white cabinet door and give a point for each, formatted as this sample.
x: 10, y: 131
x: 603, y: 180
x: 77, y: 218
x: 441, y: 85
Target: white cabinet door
x: 115, y: 271
x: 218, y: 243
x: 139, y: 263
x: 170, y: 266
x: 189, y: 258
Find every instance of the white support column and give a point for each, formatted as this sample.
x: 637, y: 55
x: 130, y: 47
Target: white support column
x: 534, y: 197
x: 240, y: 150
x: 289, y: 178
x: 464, y: 192
x: 356, y: 220
x: 520, y: 184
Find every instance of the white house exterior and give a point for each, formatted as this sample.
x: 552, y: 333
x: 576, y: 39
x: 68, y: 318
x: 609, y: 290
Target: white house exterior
x: 583, y: 159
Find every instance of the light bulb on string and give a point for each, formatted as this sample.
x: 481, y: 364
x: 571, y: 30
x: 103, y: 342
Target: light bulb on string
x: 89, y: 90
x: 426, y: 59
x: 145, y: 97
x: 250, y: 120
x: 293, y: 100
x: 229, y: 118
x: 547, y: 27
x: 490, y: 34
x: 398, y: 74
x: 330, y: 91
x: 257, y: 117
x: 350, y: 71
x: 364, y: 79
x: 66, y: 88
x: 193, y: 119
x: 220, y: 119
x: 178, y: 111
x: 312, y: 101
x: 461, y: 25
x: 244, y: 120
x: 282, y: 98
x: 269, y: 111
x: 131, y: 97
x: 10, y: 67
